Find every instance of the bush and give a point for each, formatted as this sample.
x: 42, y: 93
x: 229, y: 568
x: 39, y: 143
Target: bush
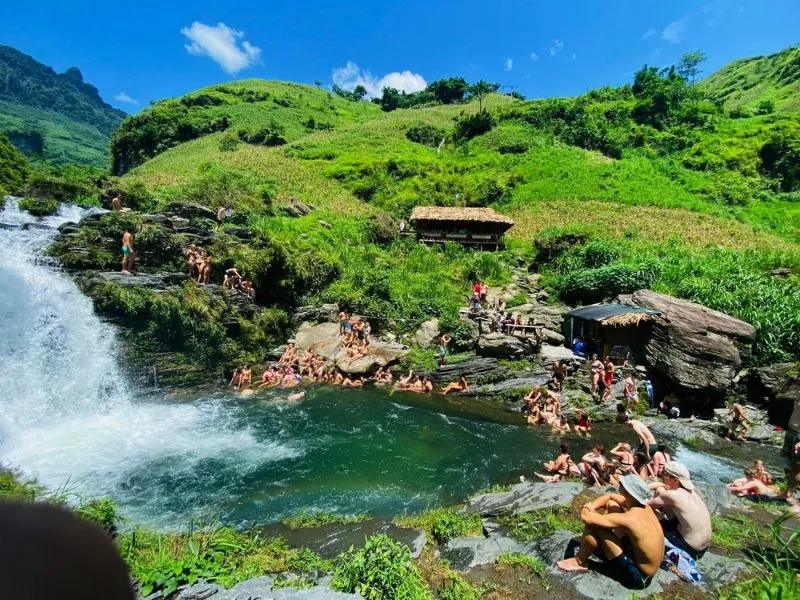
x: 271, y: 135
x: 103, y: 512
x: 427, y: 135
x: 381, y: 570
x: 228, y: 143
x: 594, y: 285
x: 39, y: 207
x: 469, y: 126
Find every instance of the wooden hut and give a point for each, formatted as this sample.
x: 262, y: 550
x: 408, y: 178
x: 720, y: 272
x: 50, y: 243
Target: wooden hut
x: 614, y: 330
x: 481, y: 227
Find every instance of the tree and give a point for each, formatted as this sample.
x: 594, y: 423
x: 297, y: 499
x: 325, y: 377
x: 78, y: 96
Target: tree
x: 318, y: 83
x: 390, y: 100
x: 448, y: 91
x: 481, y: 89
x: 359, y: 92
x: 689, y: 65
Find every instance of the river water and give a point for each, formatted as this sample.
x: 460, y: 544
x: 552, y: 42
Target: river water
x: 68, y: 416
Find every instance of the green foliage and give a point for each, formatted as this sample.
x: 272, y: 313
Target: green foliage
x: 39, y: 207
x: 517, y: 559
x: 13, y: 486
x: 381, y: 570
x: 305, y: 520
x: 480, y: 89
x: 455, y: 587
x: 448, y: 91
x: 55, y: 115
x: 469, y: 126
x: 726, y: 532
x: 780, y: 157
x: 427, y: 135
x: 541, y: 523
x: 13, y: 166
x: 603, y: 283
x: 103, y: 511
x: 66, y: 183
x: 443, y: 524
x: 163, y: 562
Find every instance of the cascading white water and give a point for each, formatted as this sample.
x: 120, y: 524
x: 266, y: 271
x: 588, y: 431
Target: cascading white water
x: 66, y: 413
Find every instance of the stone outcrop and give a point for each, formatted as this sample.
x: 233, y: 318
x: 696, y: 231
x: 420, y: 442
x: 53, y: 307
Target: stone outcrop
x: 475, y: 369
x: 502, y: 345
x: 507, y: 385
x: 323, y: 339
x: 525, y: 497
x: 550, y: 354
x: 693, y: 346
x: 428, y: 334
x: 260, y: 588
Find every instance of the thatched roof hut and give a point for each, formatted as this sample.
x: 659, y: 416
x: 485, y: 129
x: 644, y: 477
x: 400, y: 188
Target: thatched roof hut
x: 476, y: 226
x: 616, y: 330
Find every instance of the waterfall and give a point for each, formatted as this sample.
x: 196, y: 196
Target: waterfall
x: 67, y: 414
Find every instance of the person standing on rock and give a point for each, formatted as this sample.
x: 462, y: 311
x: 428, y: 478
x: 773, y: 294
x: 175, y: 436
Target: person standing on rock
x: 687, y: 522
x: 791, y: 452
x: 116, y: 202
x: 738, y: 419
x: 223, y: 214
x: 623, y: 531
x: 444, y: 341
x: 559, y: 375
x: 647, y: 441
x: 127, y: 252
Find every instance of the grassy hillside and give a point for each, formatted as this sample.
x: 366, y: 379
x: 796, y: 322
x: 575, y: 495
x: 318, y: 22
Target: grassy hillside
x: 646, y: 185
x: 745, y: 84
x: 56, y: 115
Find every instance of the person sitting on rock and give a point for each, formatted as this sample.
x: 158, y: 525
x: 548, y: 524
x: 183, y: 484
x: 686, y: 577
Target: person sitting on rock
x: 623, y: 531
x: 418, y: 385
x: 738, y: 419
x: 583, y: 425
x: 550, y: 411
x: 753, y: 486
x: 268, y: 378
x: 641, y: 466
x: 560, y: 467
x: 337, y: 378
x: 245, y: 376
x: 458, y: 386
x: 290, y: 378
x: 531, y: 409
x: 235, y: 378
x: 670, y: 406
x: 761, y: 474
x: 427, y: 384
x: 686, y: 521
x: 579, y: 347
x: 595, y: 459
x: 289, y: 357
x: 624, y: 454
x: 660, y: 460
x: 304, y: 362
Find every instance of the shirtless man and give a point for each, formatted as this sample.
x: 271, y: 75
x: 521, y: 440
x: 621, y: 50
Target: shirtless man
x: 343, y: 319
x: 624, y: 532
x: 116, y: 202
x: 738, y: 419
x: 647, y: 445
x: 127, y: 253
x: 405, y: 382
x: 688, y: 524
x: 559, y: 375
x: 791, y: 453
x: 630, y: 392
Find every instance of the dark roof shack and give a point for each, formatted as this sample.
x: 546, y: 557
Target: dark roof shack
x: 616, y: 315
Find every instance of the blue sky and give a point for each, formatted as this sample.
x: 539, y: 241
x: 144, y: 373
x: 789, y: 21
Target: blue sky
x: 137, y: 52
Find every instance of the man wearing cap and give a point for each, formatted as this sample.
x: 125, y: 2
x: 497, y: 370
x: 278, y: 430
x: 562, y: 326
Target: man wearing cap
x: 623, y: 531
x: 688, y: 522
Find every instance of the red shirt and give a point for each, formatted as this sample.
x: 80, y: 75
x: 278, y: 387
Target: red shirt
x: 477, y: 288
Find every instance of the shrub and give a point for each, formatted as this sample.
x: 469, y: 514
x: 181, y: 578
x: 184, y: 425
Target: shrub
x: 102, y: 511
x: 228, y: 143
x: 39, y: 207
x: 593, y: 285
x: 457, y: 588
x: 265, y: 136
x: 381, y: 570
x: 469, y: 126
x: 427, y: 135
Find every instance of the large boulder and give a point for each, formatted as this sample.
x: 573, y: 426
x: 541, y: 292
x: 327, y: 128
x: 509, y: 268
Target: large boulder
x: 322, y: 338
x: 525, y: 497
x: 480, y: 367
x: 427, y: 334
x: 550, y: 354
x: 501, y: 345
x: 380, y: 354
x: 189, y: 211
x: 551, y: 316
x: 693, y: 346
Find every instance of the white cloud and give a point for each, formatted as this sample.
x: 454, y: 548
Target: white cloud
x: 125, y: 99
x: 714, y: 13
x: 556, y: 47
x: 534, y: 56
x: 349, y: 76
x: 509, y: 64
x: 674, y: 32
x: 220, y: 45
x: 649, y: 33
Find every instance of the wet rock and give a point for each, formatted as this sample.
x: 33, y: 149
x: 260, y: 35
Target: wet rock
x: 200, y: 591
x: 507, y: 385
x: 683, y: 429
x: 525, y: 497
x: 243, y: 233
x: 428, y: 334
x: 465, y: 553
x: 475, y: 369
x: 718, y: 498
x: 501, y: 345
x: 695, y: 347
x: 185, y: 210
x: 152, y: 280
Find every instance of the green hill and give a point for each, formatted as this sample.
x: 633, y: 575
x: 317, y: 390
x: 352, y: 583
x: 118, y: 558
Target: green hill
x: 56, y: 115
x: 650, y: 184
x: 759, y: 83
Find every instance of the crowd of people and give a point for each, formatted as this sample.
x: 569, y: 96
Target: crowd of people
x: 234, y: 281
x: 494, y: 309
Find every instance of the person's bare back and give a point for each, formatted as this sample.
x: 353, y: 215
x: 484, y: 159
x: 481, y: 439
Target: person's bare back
x: 694, y: 520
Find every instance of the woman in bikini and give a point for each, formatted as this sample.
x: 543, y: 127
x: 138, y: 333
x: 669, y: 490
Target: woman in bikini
x: 608, y: 378
x: 624, y: 454
x: 641, y: 466
x: 584, y: 424
x: 596, y: 369
x: 459, y: 386
x: 549, y: 413
x: 246, y: 376
x: 660, y: 460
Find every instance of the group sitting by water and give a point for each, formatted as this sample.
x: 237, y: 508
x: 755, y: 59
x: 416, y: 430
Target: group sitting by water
x: 199, y: 263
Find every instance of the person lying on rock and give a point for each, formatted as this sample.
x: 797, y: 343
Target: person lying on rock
x: 738, y: 419
x: 457, y: 386
x: 686, y: 520
x: 354, y: 382
x: 647, y: 441
x: 623, y: 531
x: 560, y: 467
x: 761, y: 474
